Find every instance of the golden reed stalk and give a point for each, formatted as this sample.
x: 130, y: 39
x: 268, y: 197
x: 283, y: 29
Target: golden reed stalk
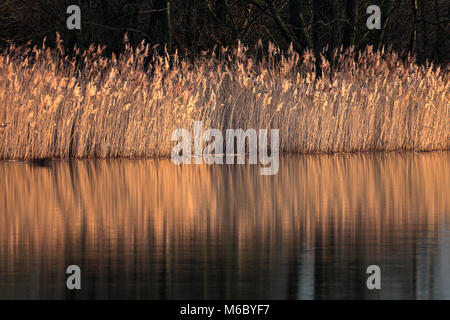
x: 126, y: 106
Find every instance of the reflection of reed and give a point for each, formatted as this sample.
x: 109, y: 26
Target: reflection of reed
x: 152, y: 229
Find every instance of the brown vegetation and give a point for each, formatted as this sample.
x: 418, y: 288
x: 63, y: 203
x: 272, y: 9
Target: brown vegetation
x: 126, y: 107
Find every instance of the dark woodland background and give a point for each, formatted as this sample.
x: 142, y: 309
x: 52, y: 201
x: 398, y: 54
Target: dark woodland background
x: 420, y: 27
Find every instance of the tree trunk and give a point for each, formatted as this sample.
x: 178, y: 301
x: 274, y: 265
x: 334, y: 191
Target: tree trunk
x: 385, y: 17
x: 221, y: 10
x: 413, y: 35
x: 424, y: 30
x: 297, y: 25
x: 350, y: 24
x: 440, y: 33
x: 166, y: 27
x: 317, y: 17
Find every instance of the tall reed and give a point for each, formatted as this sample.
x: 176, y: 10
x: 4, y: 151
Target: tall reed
x: 89, y: 106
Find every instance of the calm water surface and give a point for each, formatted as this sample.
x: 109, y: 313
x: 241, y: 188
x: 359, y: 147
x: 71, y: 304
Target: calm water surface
x: 152, y: 230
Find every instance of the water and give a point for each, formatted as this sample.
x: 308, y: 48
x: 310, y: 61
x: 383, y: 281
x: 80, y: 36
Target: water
x: 149, y: 229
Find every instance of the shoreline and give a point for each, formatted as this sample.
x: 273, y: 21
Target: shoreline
x: 281, y: 154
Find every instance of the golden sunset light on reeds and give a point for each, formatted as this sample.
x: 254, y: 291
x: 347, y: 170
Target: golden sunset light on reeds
x: 217, y: 158
x: 118, y: 108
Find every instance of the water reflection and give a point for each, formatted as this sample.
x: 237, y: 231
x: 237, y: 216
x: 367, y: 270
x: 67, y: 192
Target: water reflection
x: 150, y: 229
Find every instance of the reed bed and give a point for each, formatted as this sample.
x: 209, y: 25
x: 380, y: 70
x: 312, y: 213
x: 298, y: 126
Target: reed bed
x: 87, y: 105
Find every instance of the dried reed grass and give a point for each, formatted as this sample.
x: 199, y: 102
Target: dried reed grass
x: 53, y: 107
